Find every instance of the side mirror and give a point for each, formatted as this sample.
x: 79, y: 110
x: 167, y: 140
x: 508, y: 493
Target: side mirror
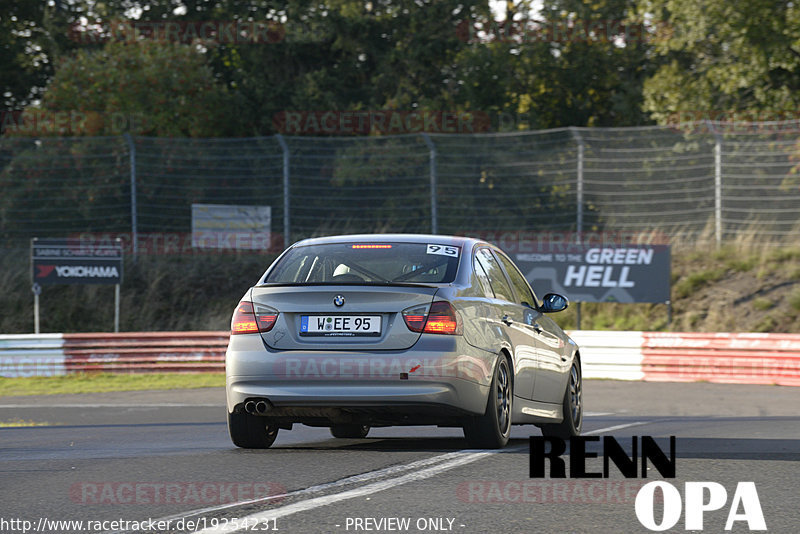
x: 554, y: 302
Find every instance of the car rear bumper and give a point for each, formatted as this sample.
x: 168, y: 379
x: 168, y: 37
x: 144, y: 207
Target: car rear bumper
x: 438, y: 375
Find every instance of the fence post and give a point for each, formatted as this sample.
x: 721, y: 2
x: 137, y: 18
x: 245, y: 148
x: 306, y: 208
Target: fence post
x: 717, y: 182
x: 134, y: 229
x: 434, y: 207
x: 718, y: 189
x: 579, y: 212
x: 286, y: 204
x: 579, y: 185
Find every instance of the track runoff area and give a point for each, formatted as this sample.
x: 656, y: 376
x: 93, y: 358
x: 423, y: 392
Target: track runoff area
x: 654, y: 456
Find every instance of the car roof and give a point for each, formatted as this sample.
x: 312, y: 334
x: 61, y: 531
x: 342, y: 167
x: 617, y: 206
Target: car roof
x: 459, y: 241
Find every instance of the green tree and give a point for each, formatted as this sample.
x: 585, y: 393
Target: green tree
x: 582, y: 63
x: 32, y: 36
x: 725, y: 56
x: 731, y: 60
x: 146, y: 87
x: 354, y: 55
x: 335, y: 55
x: 382, y: 54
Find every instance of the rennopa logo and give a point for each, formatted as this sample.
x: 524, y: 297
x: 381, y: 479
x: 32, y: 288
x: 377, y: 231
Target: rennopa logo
x: 745, y: 505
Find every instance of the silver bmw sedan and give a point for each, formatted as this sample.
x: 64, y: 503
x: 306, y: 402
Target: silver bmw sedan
x: 360, y: 331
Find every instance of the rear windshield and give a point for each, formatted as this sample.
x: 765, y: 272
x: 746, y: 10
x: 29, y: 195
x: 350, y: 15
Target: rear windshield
x: 359, y: 263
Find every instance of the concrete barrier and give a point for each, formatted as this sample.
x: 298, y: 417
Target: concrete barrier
x: 615, y: 355
x: 31, y: 355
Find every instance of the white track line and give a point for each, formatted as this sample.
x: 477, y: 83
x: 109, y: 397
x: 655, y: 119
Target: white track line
x: 355, y: 479
x: 310, y: 504
x: 445, y: 462
x: 613, y: 428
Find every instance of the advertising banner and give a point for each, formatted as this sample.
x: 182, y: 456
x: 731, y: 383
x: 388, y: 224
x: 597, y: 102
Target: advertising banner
x: 593, y: 273
x: 222, y: 226
x: 70, y: 261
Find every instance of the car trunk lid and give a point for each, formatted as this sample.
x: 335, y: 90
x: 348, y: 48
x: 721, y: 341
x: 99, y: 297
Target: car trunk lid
x: 341, y: 317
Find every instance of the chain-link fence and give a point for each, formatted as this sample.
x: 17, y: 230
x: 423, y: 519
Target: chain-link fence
x: 709, y: 179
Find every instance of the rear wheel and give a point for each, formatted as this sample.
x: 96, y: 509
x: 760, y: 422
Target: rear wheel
x: 492, y: 429
x: 572, y: 406
x: 350, y: 431
x: 250, y: 431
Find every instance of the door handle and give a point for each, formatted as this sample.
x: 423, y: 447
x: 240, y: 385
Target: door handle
x: 506, y: 319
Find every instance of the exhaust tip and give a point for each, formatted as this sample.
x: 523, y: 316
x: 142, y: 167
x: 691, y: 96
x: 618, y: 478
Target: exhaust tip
x: 250, y: 407
x: 262, y: 407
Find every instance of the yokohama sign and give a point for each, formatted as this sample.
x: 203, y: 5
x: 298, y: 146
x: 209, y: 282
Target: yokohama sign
x: 69, y: 261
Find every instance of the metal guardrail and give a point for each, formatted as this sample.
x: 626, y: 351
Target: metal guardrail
x: 743, y: 358
x: 144, y: 352
x: 746, y: 358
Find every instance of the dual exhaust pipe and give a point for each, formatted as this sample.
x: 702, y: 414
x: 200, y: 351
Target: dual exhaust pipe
x: 257, y: 406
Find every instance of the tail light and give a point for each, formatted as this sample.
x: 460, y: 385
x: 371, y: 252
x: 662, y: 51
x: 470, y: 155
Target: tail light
x: 439, y: 317
x: 442, y: 319
x: 249, y: 320
x: 415, y: 317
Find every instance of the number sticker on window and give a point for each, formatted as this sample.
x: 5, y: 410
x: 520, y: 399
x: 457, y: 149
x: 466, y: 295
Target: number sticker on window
x: 443, y: 250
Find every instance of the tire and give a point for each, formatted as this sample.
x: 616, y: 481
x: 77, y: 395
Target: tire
x: 492, y: 429
x: 350, y: 431
x: 572, y: 406
x: 251, y: 431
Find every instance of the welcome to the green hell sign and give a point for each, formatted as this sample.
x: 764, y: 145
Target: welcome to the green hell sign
x: 591, y: 273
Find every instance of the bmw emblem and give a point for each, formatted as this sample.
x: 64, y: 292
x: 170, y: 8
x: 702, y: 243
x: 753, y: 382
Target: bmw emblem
x: 338, y: 300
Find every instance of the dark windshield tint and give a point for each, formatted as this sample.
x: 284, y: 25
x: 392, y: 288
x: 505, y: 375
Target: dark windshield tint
x: 356, y: 263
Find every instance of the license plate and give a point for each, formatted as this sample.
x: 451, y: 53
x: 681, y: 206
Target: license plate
x: 340, y: 325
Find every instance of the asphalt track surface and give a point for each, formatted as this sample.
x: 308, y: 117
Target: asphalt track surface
x: 166, y: 455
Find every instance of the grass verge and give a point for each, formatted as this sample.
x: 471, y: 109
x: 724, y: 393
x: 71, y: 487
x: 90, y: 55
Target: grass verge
x: 103, y: 382
x: 21, y: 422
